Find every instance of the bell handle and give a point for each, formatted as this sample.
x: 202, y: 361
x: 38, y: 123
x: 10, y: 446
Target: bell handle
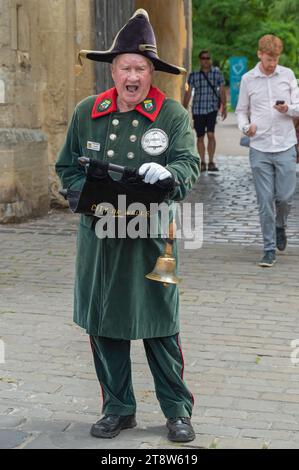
x: 164, y: 184
x: 85, y: 161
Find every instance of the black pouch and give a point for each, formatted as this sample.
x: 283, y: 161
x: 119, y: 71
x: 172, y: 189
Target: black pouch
x: 100, y: 188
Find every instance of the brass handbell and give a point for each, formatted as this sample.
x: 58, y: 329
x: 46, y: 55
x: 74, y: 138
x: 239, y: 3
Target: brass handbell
x: 165, y: 265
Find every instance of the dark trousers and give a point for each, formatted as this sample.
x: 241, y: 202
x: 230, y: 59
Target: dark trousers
x: 204, y: 122
x: 113, y: 368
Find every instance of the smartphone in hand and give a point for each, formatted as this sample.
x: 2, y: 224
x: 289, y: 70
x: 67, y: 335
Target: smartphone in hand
x: 279, y: 102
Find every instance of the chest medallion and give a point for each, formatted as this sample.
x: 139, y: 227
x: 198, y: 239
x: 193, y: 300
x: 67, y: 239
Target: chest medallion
x: 154, y: 141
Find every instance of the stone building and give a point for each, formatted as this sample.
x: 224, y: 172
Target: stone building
x: 39, y: 42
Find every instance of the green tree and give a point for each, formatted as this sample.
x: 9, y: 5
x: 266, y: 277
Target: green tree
x: 287, y: 11
x: 233, y: 27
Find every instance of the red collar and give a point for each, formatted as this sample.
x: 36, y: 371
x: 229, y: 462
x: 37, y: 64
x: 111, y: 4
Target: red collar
x: 105, y: 103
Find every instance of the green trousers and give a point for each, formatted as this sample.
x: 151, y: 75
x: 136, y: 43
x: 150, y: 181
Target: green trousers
x: 165, y: 358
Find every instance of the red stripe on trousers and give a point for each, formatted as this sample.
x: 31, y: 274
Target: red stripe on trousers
x: 183, y: 363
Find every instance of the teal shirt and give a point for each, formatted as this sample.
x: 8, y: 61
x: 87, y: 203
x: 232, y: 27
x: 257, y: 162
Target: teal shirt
x: 112, y: 296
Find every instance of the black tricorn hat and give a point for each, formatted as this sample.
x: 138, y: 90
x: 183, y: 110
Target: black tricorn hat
x: 135, y: 37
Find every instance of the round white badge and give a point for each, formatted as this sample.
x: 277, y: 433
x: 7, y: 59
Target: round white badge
x: 154, y: 141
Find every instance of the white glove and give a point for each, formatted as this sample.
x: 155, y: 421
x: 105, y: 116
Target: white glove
x: 153, y: 172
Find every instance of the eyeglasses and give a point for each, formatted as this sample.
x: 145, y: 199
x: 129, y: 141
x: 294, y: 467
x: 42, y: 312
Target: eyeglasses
x: 205, y: 58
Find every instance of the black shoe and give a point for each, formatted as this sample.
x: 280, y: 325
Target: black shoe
x: 268, y: 259
x: 281, y: 238
x: 212, y: 167
x: 180, y: 430
x: 111, y: 425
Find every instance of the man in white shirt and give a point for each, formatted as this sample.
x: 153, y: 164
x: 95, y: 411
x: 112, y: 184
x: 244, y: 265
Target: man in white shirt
x: 268, y: 100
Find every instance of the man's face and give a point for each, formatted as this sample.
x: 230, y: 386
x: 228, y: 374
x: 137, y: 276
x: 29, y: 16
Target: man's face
x: 268, y: 62
x: 132, y: 76
x: 205, y: 60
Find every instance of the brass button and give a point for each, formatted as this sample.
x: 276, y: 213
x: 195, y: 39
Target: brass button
x: 133, y: 138
x: 112, y: 136
x: 130, y: 155
x: 135, y: 123
x: 115, y: 122
x: 110, y: 153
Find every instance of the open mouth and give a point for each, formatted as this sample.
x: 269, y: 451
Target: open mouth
x: 132, y: 88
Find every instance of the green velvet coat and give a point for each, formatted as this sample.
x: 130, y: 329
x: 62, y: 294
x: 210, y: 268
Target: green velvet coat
x: 112, y: 296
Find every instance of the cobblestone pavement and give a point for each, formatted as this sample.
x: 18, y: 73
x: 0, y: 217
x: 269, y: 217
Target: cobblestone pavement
x: 238, y: 322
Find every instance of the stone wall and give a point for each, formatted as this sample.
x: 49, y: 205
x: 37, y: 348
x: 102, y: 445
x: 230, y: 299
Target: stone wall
x: 23, y: 145
x: 24, y: 174
x: 39, y: 41
x: 65, y: 27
